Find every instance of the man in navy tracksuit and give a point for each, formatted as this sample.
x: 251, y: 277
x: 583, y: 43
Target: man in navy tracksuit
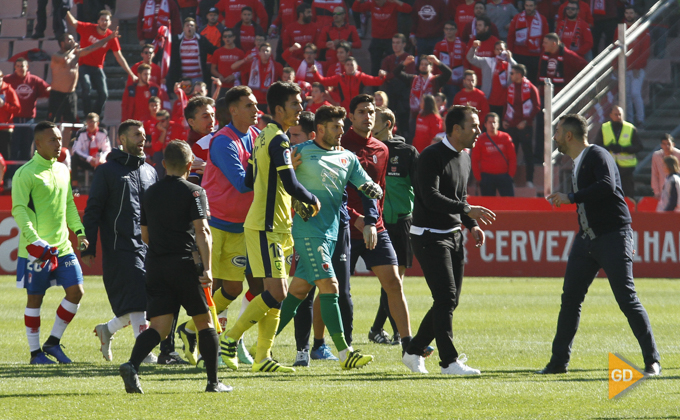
x: 113, y: 210
x: 604, y: 240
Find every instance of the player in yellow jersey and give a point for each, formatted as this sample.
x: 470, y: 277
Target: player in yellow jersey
x: 268, y: 226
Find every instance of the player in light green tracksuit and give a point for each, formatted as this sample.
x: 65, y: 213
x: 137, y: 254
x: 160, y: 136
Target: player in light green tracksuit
x: 325, y: 172
x: 43, y: 208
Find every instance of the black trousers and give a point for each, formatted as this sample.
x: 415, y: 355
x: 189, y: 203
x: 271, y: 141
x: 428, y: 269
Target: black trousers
x: 605, y: 28
x: 490, y: 183
x: 524, y: 138
x: 442, y: 258
x: 627, y: 181
x: 379, y: 49
x: 303, y: 321
x: 59, y: 9
x: 613, y: 252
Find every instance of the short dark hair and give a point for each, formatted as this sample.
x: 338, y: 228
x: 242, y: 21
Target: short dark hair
x: 533, y: 1
x: 42, y: 126
x: 92, y: 116
x: 345, y: 46
x: 264, y: 44
x: 490, y: 115
x: 104, y: 13
x: 399, y: 36
x: 278, y: 94
x: 328, y: 113
x: 195, y: 103
x: 452, y: 23
x: 500, y: 42
x: 62, y: 38
x: 553, y: 37
x: 482, y: 3
x: 177, y: 154
x: 235, y: 94
x: 486, y: 20
x: 125, y: 125
x: 163, y: 113
x: 189, y: 19
x: 20, y: 60
x: 231, y: 31
x: 148, y: 46
x: 456, y: 116
x: 307, y: 122
x: 360, y: 99
x: 575, y: 124
x: 155, y: 99
x: 246, y: 9
x: 469, y: 73
x: 319, y: 86
x: 521, y: 68
x: 667, y: 136
x: 301, y: 9
x: 287, y: 70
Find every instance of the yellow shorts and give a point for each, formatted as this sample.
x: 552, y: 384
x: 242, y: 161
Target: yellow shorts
x: 228, y: 255
x: 269, y: 253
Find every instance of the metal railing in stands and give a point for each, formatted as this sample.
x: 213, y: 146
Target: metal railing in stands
x: 583, y: 94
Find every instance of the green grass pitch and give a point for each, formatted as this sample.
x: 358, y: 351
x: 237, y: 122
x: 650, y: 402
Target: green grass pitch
x: 505, y: 326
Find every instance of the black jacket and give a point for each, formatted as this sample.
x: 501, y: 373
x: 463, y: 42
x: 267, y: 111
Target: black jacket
x: 441, y: 188
x: 175, y: 72
x: 114, y: 204
x: 600, y: 192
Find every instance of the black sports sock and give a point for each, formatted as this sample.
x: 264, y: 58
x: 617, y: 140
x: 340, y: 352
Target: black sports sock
x: 405, y: 341
x: 318, y: 342
x: 145, y: 342
x: 227, y: 295
x: 209, y: 345
x: 51, y: 341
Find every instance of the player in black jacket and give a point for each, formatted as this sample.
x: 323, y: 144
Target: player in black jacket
x: 440, y: 207
x: 604, y: 240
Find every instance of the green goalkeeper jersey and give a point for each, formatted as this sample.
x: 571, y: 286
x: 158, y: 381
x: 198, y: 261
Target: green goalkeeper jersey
x: 42, y: 205
x: 325, y: 173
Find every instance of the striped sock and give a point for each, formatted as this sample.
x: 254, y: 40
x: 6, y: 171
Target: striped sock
x: 65, y: 313
x: 32, y: 322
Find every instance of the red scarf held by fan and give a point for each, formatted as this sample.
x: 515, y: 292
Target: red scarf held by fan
x: 598, y: 7
x: 422, y: 85
x: 152, y: 21
x: 527, y: 103
x: 499, y: 82
x: 527, y: 35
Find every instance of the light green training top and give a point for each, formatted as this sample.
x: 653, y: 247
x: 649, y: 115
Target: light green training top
x: 42, y: 205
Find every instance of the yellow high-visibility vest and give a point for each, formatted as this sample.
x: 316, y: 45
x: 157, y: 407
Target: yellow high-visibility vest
x: 624, y: 160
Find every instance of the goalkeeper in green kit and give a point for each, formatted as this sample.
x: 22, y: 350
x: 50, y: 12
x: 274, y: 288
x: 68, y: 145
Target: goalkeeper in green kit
x: 325, y: 172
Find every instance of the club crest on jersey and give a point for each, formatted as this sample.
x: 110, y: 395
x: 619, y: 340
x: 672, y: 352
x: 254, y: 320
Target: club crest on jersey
x: 343, y: 161
x: 325, y: 266
x: 394, y: 160
x: 239, y: 261
x: 375, y: 159
x: 197, y: 194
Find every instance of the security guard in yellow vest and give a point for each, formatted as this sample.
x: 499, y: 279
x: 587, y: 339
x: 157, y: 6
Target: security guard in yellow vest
x: 621, y: 140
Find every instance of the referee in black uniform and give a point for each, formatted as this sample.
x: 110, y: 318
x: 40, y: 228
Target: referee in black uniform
x: 174, y: 223
x: 440, y: 208
x: 604, y: 240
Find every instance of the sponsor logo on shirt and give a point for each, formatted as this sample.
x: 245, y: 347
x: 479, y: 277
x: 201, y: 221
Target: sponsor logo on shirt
x: 286, y: 157
x: 427, y: 12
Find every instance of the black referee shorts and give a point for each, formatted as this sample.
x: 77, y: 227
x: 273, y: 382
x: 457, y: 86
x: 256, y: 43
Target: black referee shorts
x: 401, y: 240
x: 171, y: 282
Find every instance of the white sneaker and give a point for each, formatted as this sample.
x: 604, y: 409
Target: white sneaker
x: 414, y: 362
x: 105, y: 337
x: 460, y: 368
x: 150, y: 359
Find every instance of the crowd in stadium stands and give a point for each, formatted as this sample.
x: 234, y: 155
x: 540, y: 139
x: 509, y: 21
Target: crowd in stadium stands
x: 425, y: 56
